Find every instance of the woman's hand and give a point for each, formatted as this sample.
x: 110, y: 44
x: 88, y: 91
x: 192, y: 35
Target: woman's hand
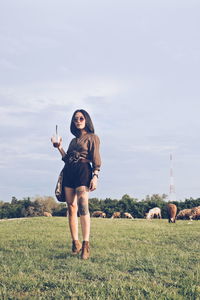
x: 93, y: 183
x: 56, y: 141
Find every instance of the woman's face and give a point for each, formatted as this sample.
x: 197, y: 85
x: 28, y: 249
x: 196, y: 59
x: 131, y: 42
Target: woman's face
x: 79, y: 120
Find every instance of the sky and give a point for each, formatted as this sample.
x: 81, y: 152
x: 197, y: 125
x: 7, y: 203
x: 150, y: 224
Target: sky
x: 133, y: 65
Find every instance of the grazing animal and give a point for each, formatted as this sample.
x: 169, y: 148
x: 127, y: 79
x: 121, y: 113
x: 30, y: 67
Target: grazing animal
x: 47, y: 214
x: 154, y: 212
x: 98, y: 214
x: 171, y: 212
x: 116, y: 214
x: 184, y: 214
x: 195, y: 213
x: 189, y: 213
x: 128, y: 215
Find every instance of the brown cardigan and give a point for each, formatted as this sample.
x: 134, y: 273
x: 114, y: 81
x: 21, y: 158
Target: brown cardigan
x: 86, y: 147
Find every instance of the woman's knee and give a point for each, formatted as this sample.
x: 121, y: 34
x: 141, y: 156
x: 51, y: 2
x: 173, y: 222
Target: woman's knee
x: 72, y: 208
x: 82, y: 199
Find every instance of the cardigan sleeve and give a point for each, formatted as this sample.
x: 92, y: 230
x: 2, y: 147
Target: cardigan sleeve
x: 65, y: 158
x: 94, y: 152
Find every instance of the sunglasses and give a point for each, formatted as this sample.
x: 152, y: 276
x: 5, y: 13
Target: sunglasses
x: 81, y: 119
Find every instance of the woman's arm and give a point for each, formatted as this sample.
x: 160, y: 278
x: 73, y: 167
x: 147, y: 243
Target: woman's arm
x: 62, y: 151
x: 96, y: 162
x: 58, y: 144
x: 94, y: 154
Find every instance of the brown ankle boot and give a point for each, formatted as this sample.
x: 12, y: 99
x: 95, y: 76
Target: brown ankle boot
x: 85, y: 250
x: 76, y: 247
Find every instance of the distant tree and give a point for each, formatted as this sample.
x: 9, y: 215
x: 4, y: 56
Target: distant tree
x: 43, y: 204
x: 14, y: 200
x: 109, y: 206
x: 60, y: 210
x: 30, y: 211
x: 37, y: 206
x: 94, y: 204
x: 126, y: 204
x: 5, y: 210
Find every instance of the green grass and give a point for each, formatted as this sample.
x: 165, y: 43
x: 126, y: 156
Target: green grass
x: 130, y: 259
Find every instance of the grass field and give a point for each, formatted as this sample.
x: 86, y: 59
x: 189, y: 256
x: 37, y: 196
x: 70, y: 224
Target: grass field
x: 130, y: 259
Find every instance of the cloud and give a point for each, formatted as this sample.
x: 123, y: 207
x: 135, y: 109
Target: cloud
x: 139, y: 82
x: 6, y: 64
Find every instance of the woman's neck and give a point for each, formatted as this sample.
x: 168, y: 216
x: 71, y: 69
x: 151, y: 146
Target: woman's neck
x: 83, y: 132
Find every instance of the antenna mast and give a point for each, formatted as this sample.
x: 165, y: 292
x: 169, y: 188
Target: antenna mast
x: 172, y: 194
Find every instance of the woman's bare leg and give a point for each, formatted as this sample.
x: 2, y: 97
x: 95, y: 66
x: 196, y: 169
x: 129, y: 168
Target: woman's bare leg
x: 83, y: 208
x: 71, y: 199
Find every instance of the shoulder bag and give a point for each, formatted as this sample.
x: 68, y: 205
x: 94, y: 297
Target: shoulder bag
x: 59, y: 191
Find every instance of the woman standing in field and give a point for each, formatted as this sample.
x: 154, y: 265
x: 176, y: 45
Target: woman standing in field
x: 80, y: 177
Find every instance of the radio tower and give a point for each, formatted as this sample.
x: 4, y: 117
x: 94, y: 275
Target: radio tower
x: 172, y: 195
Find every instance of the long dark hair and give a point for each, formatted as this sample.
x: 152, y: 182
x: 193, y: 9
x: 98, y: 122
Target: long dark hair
x: 88, y: 123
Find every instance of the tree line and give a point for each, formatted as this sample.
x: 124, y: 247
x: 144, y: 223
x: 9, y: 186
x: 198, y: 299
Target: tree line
x: 28, y: 207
